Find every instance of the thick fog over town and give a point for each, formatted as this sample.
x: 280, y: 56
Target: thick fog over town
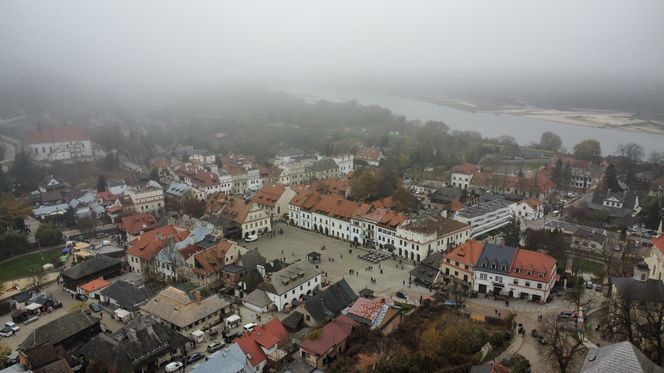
x: 332, y: 186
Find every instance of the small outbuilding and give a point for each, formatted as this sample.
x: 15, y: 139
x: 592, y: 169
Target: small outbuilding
x: 314, y: 257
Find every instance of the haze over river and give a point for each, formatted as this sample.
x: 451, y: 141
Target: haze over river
x: 524, y: 130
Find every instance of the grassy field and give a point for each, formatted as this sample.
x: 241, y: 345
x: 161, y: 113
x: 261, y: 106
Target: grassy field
x: 597, y: 269
x: 21, y: 267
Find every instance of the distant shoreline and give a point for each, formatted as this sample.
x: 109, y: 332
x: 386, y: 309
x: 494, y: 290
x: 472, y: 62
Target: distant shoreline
x: 577, y: 117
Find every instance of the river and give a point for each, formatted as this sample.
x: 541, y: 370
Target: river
x: 524, y: 130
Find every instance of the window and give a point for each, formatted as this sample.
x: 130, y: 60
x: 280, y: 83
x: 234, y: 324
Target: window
x: 483, y: 276
x: 516, y: 282
x: 499, y: 279
x: 539, y: 286
x: 528, y: 283
x: 517, y: 270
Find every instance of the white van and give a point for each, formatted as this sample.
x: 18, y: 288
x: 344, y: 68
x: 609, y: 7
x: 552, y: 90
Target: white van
x: 251, y: 326
x: 105, y: 243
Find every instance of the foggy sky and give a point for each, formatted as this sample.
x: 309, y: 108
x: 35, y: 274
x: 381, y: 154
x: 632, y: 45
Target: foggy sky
x: 147, y: 45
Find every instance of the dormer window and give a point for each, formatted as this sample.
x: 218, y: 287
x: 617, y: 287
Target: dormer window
x: 540, y: 274
x: 503, y: 268
x: 493, y: 266
x: 517, y: 270
x: 529, y: 273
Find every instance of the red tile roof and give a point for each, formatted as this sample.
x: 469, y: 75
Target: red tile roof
x: 532, y: 202
x: 455, y: 205
x: 105, y: 196
x: 160, y: 163
x: 535, y: 261
x: 367, y: 308
x: 151, y: 243
x: 267, y: 335
x: 332, y: 334
x: 327, y: 204
x: 229, y: 207
x: 57, y: 134
x: 269, y: 195
x: 95, y: 285
x: 467, y: 253
x: 345, y: 209
x: 332, y: 185
x: 212, y: 260
x: 134, y: 224
x: 465, y: 168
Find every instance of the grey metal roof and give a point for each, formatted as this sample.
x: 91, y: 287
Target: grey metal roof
x: 622, y: 357
x: 498, y: 256
x: 128, y: 296
x: 228, y: 360
x: 90, y: 266
x: 258, y: 298
x: 59, y: 329
x: 649, y: 290
x: 290, y: 277
x: 329, y: 303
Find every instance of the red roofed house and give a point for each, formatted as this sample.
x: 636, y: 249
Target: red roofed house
x: 461, y: 175
x: 204, y: 267
x: 329, y: 344
x: 239, y: 214
x: 264, y: 344
x: 274, y: 199
x: 459, y: 261
x: 92, y: 288
x: 655, y: 260
x: 370, y: 154
x: 137, y: 224
x: 59, y: 143
x: 531, y: 275
x: 376, y: 314
x: 143, y: 251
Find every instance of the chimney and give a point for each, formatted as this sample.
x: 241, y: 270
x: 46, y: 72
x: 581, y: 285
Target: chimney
x: 198, y: 296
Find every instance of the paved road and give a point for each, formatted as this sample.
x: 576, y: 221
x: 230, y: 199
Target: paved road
x: 296, y: 244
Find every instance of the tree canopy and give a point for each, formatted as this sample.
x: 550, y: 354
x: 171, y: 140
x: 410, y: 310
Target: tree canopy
x: 550, y: 141
x: 588, y: 149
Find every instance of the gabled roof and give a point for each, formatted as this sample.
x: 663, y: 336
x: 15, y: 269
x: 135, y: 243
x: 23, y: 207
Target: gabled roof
x: 91, y: 266
x: 306, y: 200
x: 345, y: 209
x: 137, y: 344
x: 212, y: 260
x: 229, y: 207
x: 500, y: 256
x: 658, y: 243
x: 230, y: 359
x: 465, y: 168
x: 127, y: 295
x: 326, y: 304
x: 332, y: 334
x: 288, y: 278
x: 269, y: 195
x: 176, y: 307
x: 467, y: 253
x: 151, y: 243
x: 618, y: 358
x: 327, y: 204
x: 58, y: 330
x: 95, y: 285
x: 134, y: 224
x: 367, y: 309
x: 258, y: 298
x: 534, y: 261
x: 369, y: 153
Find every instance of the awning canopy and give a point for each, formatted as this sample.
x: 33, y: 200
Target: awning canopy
x: 33, y: 306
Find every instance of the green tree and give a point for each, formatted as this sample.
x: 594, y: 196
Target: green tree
x: 49, y: 235
x: 512, y: 232
x: 26, y: 173
x: 193, y: 207
x: 588, y: 149
x: 101, y: 183
x: 154, y: 174
x: 12, y: 212
x: 70, y: 218
x: 550, y: 141
x: 611, y: 179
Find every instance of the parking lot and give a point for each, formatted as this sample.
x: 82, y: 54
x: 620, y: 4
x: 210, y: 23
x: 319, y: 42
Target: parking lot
x: 67, y: 303
x: 338, y: 259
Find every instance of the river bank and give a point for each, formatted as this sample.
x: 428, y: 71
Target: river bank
x: 577, y: 117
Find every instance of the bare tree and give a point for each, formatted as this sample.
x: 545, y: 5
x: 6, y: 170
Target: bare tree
x: 37, y: 278
x: 631, y: 153
x: 651, y: 324
x: 622, y: 322
x: 563, y: 344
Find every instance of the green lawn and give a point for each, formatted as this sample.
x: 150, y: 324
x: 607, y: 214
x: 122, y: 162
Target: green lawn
x: 597, y: 269
x: 21, y: 267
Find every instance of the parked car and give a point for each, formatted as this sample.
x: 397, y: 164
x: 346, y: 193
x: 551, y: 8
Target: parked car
x: 95, y: 307
x: 251, y: 238
x: 229, y: 338
x: 599, y: 287
x: 105, y: 243
x: 13, y: 326
x: 567, y: 315
x: 81, y: 297
x: 401, y: 294
x: 6, y: 332
x: 173, y: 366
x: 451, y: 303
x: 589, y: 285
x: 194, y: 358
x: 20, y: 316
x: 251, y: 326
x: 57, y: 304
x: 214, y: 346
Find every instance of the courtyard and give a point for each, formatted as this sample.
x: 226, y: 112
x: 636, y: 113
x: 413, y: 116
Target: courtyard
x: 338, y: 260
